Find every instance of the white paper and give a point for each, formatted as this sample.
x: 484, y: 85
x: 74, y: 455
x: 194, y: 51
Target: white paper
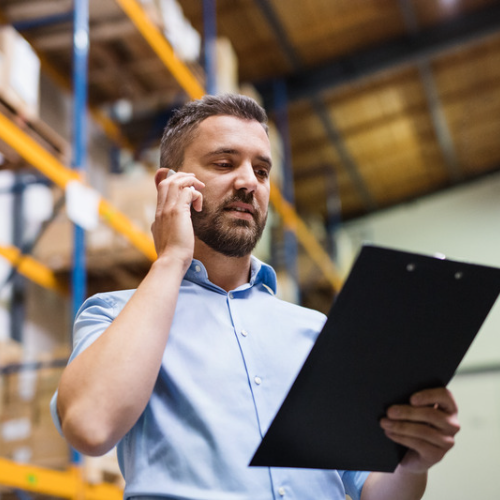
x: 38, y: 203
x: 16, y: 429
x: 22, y: 454
x: 27, y: 384
x: 82, y: 205
x: 25, y: 72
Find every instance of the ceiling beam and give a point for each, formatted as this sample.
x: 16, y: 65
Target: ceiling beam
x: 439, y: 122
x: 407, y: 50
x: 347, y: 160
x: 286, y: 45
x: 319, y: 107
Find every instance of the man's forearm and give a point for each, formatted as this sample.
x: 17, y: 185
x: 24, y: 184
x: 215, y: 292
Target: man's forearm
x: 104, y: 390
x: 400, y: 485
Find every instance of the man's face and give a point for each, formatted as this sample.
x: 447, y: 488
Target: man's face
x: 233, y: 158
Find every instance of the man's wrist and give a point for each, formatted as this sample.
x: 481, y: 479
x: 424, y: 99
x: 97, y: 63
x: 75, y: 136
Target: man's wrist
x: 411, y: 475
x: 172, y: 262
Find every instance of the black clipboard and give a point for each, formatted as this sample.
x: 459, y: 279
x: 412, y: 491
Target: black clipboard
x: 401, y: 323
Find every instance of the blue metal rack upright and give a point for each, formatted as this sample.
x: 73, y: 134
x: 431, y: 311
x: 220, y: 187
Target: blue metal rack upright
x: 209, y: 44
x: 290, y: 237
x: 80, y: 66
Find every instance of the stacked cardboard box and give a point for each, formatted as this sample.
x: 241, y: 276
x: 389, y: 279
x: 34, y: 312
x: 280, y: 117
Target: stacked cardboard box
x: 19, y: 73
x: 134, y: 195
x: 27, y: 434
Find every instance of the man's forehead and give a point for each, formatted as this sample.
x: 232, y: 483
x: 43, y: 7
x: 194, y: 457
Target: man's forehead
x: 221, y: 120
x: 226, y: 129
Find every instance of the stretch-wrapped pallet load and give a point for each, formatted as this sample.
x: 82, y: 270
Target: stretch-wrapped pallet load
x: 27, y: 434
x: 19, y: 74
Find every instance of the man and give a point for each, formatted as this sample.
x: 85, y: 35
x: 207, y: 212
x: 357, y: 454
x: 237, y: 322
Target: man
x: 186, y: 373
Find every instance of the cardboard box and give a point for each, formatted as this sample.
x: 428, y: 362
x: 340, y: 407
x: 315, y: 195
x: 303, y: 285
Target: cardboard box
x: 27, y: 433
x: 133, y: 195
x: 227, y: 66
x: 19, y: 73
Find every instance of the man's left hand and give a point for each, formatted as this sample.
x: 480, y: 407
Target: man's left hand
x: 426, y: 426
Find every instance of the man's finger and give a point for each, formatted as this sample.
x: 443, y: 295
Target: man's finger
x: 425, y: 450
x: 418, y: 430
x: 440, y: 396
x: 197, y: 200
x: 430, y: 416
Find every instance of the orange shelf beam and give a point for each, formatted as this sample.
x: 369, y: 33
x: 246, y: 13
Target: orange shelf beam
x: 32, y: 269
x: 305, y: 237
x: 162, y: 48
x: 53, y: 169
x: 184, y: 77
x: 62, y: 484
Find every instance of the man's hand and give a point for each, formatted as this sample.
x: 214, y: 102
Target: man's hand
x: 172, y: 229
x: 427, y: 426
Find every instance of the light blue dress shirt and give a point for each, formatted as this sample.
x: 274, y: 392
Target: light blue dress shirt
x: 228, y: 365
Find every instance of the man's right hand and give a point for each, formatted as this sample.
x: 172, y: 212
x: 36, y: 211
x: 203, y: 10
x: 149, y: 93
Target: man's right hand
x: 172, y: 228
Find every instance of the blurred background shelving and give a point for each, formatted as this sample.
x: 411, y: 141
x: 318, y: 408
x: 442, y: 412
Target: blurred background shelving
x: 385, y: 126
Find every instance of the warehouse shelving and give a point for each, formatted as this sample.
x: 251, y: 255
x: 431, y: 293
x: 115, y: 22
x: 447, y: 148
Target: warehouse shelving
x: 32, y: 269
x: 61, y: 175
x: 69, y: 484
x: 63, y: 484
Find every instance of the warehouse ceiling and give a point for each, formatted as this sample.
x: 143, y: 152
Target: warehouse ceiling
x: 386, y: 100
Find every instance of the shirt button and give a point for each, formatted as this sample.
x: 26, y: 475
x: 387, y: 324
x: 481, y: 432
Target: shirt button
x: 197, y: 269
x: 231, y: 296
x: 281, y: 491
x: 257, y: 380
x: 244, y: 333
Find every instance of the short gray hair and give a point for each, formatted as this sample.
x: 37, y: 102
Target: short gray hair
x: 181, y: 127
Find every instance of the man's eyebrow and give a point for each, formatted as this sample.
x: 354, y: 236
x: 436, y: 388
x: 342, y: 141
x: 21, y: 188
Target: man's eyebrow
x: 228, y: 151
x: 265, y: 159
x: 222, y: 151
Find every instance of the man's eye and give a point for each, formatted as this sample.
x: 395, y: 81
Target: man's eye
x: 223, y: 165
x: 262, y: 172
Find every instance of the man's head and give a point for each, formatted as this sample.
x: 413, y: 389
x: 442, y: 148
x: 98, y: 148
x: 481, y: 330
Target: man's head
x: 223, y: 141
x: 181, y: 129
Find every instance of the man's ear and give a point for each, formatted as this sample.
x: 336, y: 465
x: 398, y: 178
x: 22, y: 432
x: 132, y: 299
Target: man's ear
x: 160, y: 175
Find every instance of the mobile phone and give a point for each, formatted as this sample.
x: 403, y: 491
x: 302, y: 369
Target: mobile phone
x: 173, y: 172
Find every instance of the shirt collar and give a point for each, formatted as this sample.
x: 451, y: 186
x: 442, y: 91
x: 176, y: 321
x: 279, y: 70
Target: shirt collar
x: 260, y: 273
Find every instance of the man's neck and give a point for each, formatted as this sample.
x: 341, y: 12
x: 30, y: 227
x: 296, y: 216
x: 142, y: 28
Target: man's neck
x: 227, y: 272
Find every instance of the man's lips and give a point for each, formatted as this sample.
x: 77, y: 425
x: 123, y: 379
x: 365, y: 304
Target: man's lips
x: 240, y: 207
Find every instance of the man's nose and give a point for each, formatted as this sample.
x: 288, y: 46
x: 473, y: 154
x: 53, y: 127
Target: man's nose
x: 245, y: 177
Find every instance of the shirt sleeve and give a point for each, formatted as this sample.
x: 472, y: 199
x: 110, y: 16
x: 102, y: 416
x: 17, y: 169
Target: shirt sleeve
x: 353, y: 482
x: 94, y: 316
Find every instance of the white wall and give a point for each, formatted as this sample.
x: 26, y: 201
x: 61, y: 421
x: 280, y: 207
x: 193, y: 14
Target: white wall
x: 470, y: 470
x: 464, y: 224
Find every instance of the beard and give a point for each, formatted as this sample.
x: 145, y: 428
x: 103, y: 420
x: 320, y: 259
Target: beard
x: 229, y: 236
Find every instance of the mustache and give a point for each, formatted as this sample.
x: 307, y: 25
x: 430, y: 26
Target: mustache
x: 241, y: 196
